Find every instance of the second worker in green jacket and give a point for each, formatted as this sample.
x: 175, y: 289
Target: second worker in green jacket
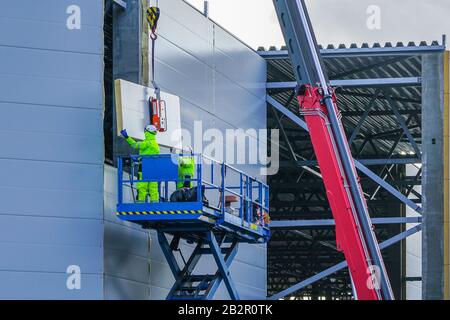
x: 186, y: 168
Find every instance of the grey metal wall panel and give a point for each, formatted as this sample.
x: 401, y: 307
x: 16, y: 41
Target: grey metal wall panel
x: 48, y: 36
x: 54, y: 11
x: 43, y: 285
x: 110, y: 213
x: 120, y: 238
x: 190, y: 113
x: 123, y: 265
x: 51, y: 161
x: 184, y: 75
x: 255, y: 255
x: 187, y: 18
x: 65, y: 148
x: 119, y: 289
x: 157, y: 293
x: 239, y: 63
x: 49, y: 258
x: 127, y: 249
x: 183, y: 35
x: 251, y: 293
x: 64, y: 121
x: 50, y: 175
x: 110, y: 200
x: 51, y: 91
x: 51, y: 64
x: 155, y: 250
x: 49, y: 202
x: 160, y: 275
x: 230, y: 96
x: 51, y: 231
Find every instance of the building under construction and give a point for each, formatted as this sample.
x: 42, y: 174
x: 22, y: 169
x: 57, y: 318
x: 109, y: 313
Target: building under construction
x: 67, y: 230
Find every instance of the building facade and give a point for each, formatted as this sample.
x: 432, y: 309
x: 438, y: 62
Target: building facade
x: 59, y: 237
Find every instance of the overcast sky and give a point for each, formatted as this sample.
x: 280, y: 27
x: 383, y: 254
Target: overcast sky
x: 337, y: 21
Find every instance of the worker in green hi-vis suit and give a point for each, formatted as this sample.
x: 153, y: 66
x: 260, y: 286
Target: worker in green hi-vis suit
x: 147, y: 147
x: 186, y: 167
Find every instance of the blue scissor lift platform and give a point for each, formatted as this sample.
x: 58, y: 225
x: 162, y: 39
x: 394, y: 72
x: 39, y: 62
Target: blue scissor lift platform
x: 206, y: 218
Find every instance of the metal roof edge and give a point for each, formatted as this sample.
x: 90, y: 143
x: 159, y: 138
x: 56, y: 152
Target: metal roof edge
x: 365, y: 50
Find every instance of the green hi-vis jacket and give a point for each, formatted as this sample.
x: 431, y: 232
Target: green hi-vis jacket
x: 147, y: 147
x: 186, y: 167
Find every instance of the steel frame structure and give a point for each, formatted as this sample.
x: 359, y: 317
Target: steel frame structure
x: 399, y: 188
x: 341, y: 265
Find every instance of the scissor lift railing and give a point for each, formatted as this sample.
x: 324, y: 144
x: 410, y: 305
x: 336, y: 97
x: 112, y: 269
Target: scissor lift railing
x: 208, y: 223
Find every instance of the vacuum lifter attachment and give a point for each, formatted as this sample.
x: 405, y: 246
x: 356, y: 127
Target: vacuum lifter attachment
x: 354, y: 231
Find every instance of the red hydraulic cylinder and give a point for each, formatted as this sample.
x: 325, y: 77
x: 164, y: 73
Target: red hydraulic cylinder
x: 349, y: 237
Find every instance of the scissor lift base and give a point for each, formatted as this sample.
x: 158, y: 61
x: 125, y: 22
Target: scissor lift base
x: 189, y: 286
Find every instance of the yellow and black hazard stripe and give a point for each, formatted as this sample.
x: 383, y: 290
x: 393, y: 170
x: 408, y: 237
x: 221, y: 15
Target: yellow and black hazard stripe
x: 153, y: 17
x: 132, y: 213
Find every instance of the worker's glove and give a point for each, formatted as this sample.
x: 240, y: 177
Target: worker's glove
x: 124, y: 133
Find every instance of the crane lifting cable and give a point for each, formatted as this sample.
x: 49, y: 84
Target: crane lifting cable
x: 157, y: 106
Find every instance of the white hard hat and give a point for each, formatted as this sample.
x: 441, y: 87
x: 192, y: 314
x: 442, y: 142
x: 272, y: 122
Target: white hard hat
x: 151, y: 128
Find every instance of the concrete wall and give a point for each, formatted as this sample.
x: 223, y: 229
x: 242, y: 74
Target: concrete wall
x: 221, y: 82
x: 51, y: 157
x: 446, y: 175
x: 432, y: 176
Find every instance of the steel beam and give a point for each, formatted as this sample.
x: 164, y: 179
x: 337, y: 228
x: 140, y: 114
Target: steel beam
x: 330, y: 222
x: 378, y: 82
x: 285, y: 136
x: 366, y: 162
x: 341, y: 265
x: 363, y: 117
x: 293, y: 117
x: 400, y: 196
x: 402, y: 123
